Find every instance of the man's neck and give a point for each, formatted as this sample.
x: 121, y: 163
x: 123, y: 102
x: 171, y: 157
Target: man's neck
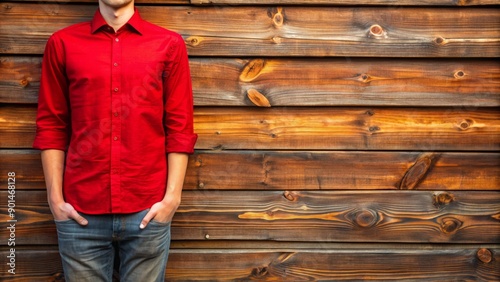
x: 116, y: 17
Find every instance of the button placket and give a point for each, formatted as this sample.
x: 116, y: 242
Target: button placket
x: 116, y: 123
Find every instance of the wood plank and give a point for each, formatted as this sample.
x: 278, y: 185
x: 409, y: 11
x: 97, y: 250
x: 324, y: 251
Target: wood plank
x: 332, y: 265
x: 19, y: 79
x: 284, y: 31
x: 325, y: 128
x: 308, y: 170
x: 309, y: 82
x: 33, y: 264
x: 434, y: 264
x: 347, y: 2
x: 348, y: 128
x: 353, y: 82
x: 298, y: 2
x: 27, y: 166
x: 339, y: 170
x: 168, y: 2
x: 306, y: 216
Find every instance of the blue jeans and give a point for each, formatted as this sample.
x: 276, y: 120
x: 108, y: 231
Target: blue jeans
x: 88, y: 252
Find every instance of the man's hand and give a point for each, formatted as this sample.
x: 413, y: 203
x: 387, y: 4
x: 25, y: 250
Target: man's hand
x: 53, y: 167
x: 65, y: 211
x: 162, y: 211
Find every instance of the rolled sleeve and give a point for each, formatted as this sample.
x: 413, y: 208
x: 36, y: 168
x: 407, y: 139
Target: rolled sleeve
x: 52, y: 122
x: 178, y: 122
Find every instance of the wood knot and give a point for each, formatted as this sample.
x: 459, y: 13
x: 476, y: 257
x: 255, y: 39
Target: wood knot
x: 252, y: 70
x: 417, y: 172
x: 277, y: 40
x: 464, y: 124
x: 258, y: 98
x: 24, y: 82
x: 259, y: 272
x: 484, y: 255
x: 290, y: 196
x: 193, y: 41
x: 365, y: 218
x: 440, y: 40
x: 198, y: 163
x: 278, y: 18
x: 450, y: 225
x: 374, y: 128
x: 365, y: 78
x: 376, y: 31
x: 59, y: 276
x: 442, y: 199
x: 463, y: 2
x: 459, y: 74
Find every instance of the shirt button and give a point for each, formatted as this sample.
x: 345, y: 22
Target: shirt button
x: 115, y: 138
x: 116, y: 39
x: 115, y: 114
x: 116, y: 89
x: 115, y: 64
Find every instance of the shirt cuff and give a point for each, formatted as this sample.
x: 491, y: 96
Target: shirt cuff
x: 49, y: 139
x: 180, y: 143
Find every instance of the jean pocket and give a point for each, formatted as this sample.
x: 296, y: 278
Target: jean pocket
x: 63, y: 220
x: 159, y: 223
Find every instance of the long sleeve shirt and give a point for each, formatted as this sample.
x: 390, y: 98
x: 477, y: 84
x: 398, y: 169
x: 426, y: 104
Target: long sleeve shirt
x: 117, y: 103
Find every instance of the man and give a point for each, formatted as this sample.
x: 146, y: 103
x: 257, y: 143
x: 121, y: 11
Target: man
x: 115, y: 126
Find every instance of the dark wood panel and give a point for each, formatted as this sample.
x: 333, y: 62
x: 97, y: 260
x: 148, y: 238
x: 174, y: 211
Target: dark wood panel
x: 411, y: 263
x: 17, y: 126
x: 322, y: 216
x: 309, y: 82
x: 175, y: 2
x: 325, y: 128
x: 290, y: 31
x: 331, y: 265
x: 343, y: 170
x: 349, y: 2
x: 27, y: 166
x: 298, y: 2
x: 302, y: 170
x: 19, y: 79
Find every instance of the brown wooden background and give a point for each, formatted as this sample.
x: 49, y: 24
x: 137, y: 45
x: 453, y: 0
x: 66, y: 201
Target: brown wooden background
x: 338, y: 139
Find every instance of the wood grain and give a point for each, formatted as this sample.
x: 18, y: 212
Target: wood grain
x: 309, y: 170
x: 348, y: 128
x: 283, y: 31
x: 349, y: 2
x: 166, y: 2
x: 316, y: 82
x: 298, y: 2
x: 339, y: 139
x: 326, y: 128
x: 305, y: 216
x: 285, y: 264
x: 330, y: 264
x: 313, y: 170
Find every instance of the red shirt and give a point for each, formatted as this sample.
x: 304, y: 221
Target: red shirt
x: 117, y: 103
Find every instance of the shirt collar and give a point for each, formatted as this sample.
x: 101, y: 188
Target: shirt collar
x: 135, y: 22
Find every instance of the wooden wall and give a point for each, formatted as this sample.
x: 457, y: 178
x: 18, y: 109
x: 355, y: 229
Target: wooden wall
x: 338, y: 139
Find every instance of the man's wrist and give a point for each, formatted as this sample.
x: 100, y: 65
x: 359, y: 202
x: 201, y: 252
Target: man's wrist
x: 55, y: 200
x: 172, y: 197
